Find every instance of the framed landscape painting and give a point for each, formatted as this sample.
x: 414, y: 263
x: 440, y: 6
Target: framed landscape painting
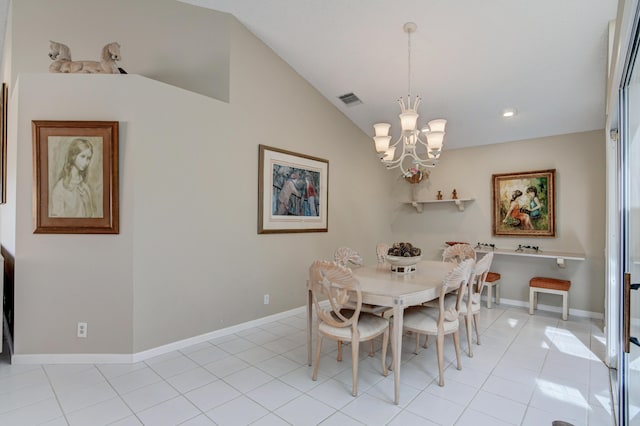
x: 524, y: 204
x: 292, y: 192
x: 75, y: 177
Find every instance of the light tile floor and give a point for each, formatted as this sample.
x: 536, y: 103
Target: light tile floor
x: 529, y: 370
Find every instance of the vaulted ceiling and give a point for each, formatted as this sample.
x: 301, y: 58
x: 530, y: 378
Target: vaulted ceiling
x: 469, y: 60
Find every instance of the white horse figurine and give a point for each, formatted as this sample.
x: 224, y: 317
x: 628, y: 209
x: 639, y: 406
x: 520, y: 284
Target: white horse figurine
x: 61, y: 55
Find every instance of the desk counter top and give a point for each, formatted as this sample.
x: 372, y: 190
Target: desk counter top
x: 560, y: 256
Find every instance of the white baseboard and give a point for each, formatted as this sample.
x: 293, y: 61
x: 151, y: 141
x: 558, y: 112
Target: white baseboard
x: 549, y: 308
x: 150, y: 353
x: 181, y: 344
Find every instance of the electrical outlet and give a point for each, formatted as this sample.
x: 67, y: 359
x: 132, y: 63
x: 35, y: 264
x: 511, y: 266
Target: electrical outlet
x: 82, y: 329
x: 266, y: 299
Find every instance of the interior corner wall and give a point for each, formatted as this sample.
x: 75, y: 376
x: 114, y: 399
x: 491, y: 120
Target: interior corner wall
x: 188, y: 259
x: 213, y: 270
x: 580, y: 212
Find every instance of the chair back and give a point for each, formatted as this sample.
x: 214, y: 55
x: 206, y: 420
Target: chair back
x: 458, y: 279
x: 338, y: 285
x: 480, y: 273
x: 382, y: 249
x: 458, y: 252
x: 346, y: 255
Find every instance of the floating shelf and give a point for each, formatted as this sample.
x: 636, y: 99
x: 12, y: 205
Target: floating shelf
x: 419, y: 205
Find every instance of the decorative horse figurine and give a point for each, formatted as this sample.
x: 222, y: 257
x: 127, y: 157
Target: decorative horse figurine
x: 62, y: 62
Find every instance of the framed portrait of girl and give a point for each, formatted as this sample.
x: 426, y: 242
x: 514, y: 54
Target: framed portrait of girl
x: 75, y: 177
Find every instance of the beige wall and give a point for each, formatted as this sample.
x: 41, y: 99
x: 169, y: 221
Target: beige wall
x: 188, y: 259
x: 580, y: 218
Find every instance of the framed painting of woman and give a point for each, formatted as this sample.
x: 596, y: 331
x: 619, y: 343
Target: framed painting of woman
x: 524, y: 204
x: 75, y: 171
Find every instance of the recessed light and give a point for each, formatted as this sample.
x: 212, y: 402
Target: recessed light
x: 509, y: 112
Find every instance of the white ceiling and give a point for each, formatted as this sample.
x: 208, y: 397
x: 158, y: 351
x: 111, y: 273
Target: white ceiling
x: 470, y: 59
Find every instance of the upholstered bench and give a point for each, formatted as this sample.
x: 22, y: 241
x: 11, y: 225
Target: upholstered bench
x: 552, y: 286
x: 493, y: 280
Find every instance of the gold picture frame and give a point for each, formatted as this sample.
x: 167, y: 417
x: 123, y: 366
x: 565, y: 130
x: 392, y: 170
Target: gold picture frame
x: 75, y: 177
x: 524, y: 204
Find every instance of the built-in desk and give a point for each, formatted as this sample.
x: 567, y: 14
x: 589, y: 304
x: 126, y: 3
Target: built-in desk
x: 559, y: 256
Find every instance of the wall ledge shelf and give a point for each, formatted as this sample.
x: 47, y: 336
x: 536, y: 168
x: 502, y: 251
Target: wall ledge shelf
x: 460, y: 202
x: 559, y: 257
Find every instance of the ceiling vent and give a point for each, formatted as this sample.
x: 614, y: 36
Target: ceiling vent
x: 350, y: 99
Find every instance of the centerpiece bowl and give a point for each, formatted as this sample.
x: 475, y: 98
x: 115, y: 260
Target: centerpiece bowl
x: 403, y: 264
x: 403, y: 260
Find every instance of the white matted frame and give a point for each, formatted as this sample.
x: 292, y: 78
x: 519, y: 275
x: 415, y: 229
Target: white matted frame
x: 292, y: 192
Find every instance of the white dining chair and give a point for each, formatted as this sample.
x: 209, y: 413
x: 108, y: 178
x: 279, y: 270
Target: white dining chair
x: 346, y: 256
x: 458, y: 252
x: 441, y: 321
x: 382, y: 249
x: 470, y: 306
x: 337, y: 322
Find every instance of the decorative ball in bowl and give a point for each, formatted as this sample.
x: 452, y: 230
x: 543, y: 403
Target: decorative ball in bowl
x: 403, y: 250
x: 403, y: 260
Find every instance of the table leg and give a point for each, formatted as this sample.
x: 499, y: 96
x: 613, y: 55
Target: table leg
x: 398, y: 312
x: 309, y: 324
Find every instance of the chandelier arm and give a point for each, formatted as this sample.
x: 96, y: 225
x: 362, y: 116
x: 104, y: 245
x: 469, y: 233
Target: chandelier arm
x: 393, y: 162
x: 396, y: 143
x: 424, y: 143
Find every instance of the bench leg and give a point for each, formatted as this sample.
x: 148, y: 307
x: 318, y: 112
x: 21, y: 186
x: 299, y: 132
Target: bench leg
x: 497, y: 285
x: 565, y: 305
x: 532, y: 295
x: 489, y: 296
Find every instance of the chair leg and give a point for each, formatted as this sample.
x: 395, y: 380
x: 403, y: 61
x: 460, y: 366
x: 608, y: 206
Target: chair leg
x: 385, y: 344
x: 426, y: 341
x: 440, y: 351
x: 393, y: 349
x: 417, y: 344
x: 372, y: 351
x: 489, y: 291
x: 467, y: 323
x: 355, y: 347
x: 316, y: 362
x: 476, y: 323
x: 339, y: 350
x: 456, y: 343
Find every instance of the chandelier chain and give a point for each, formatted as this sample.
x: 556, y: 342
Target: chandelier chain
x: 409, y: 62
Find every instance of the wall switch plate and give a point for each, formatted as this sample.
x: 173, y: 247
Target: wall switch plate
x: 266, y: 299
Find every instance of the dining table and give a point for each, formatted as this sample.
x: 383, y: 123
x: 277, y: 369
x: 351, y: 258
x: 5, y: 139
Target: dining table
x: 380, y: 286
